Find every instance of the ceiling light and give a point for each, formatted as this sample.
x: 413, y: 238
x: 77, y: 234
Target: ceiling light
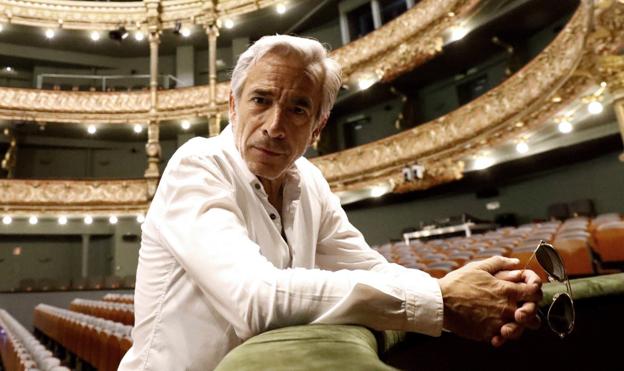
x: 88, y: 219
x: 138, y: 128
x: 377, y: 191
x: 33, y: 220
x: 457, y: 33
x: 365, y: 83
x: 595, y: 107
x: 8, y: 69
x: 91, y: 129
x: 483, y: 162
x: 185, y: 32
x: 140, y: 218
x: 139, y: 36
x: 94, y: 35
x: 186, y: 124
x: 522, y: 147
x: 62, y: 220
x: 228, y: 23
x: 1, y: 27
x: 49, y: 33
x: 7, y: 220
x: 280, y: 8
x: 565, y: 126
x: 113, y: 219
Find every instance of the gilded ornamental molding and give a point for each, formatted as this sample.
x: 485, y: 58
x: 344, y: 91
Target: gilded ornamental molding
x: 467, y: 129
x: 18, y: 195
x: 99, y: 15
x: 404, y: 43
x: 397, y: 47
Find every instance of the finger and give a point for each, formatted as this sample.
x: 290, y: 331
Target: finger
x: 495, y: 264
x: 511, y: 331
x: 497, y: 341
x: 527, y: 316
x: 511, y: 276
x: 522, y: 291
x: 531, y: 278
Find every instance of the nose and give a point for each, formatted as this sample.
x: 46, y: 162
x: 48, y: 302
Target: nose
x: 275, y: 125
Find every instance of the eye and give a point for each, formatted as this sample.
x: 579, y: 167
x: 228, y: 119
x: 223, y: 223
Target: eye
x: 259, y: 100
x: 299, y: 110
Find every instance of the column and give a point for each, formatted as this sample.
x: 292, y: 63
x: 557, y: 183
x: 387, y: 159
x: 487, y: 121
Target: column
x: 152, y: 148
x: 213, y: 120
x: 344, y: 28
x: 376, y: 9
x: 84, y: 267
x: 618, y: 106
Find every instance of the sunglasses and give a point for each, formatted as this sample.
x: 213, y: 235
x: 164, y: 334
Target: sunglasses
x: 560, y: 315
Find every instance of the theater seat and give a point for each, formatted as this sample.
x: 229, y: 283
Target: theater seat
x: 609, y: 239
x: 576, y: 255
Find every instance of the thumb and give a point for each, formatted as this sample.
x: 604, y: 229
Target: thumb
x: 497, y: 263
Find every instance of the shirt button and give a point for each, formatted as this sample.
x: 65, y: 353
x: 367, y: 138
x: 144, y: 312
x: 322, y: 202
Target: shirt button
x: 257, y: 186
x: 273, y: 216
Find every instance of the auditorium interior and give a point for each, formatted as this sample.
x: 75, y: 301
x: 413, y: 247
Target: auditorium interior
x: 464, y: 129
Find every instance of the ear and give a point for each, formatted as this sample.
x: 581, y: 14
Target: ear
x: 316, y: 132
x: 232, y: 109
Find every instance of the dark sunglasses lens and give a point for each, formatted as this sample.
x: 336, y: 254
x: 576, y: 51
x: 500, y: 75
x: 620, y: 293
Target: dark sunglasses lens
x: 550, y: 260
x: 561, y: 314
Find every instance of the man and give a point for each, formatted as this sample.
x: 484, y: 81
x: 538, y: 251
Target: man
x: 244, y: 235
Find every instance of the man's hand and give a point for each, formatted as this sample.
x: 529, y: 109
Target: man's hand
x: 480, y: 306
x: 526, y: 315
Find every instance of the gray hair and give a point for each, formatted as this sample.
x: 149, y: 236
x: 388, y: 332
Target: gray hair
x: 314, y: 55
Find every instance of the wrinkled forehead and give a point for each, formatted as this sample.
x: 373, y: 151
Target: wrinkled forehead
x: 288, y: 71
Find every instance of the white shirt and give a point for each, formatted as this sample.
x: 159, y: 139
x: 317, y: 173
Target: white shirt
x: 214, y: 268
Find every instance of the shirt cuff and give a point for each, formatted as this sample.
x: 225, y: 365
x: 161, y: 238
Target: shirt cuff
x: 424, y: 305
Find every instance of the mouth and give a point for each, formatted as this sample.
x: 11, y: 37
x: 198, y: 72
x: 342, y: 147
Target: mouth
x: 267, y: 152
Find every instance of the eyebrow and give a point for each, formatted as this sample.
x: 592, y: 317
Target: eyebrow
x: 303, y: 101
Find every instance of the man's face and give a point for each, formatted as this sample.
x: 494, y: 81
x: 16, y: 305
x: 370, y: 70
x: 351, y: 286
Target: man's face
x: 275, y: 118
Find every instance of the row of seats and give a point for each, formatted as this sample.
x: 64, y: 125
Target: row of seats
x: 21, y: 351
x: 578, y: 241
x: 99, y: 342
x: 119, y: 298
x: 116, y: 312
x: 90, y: 283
